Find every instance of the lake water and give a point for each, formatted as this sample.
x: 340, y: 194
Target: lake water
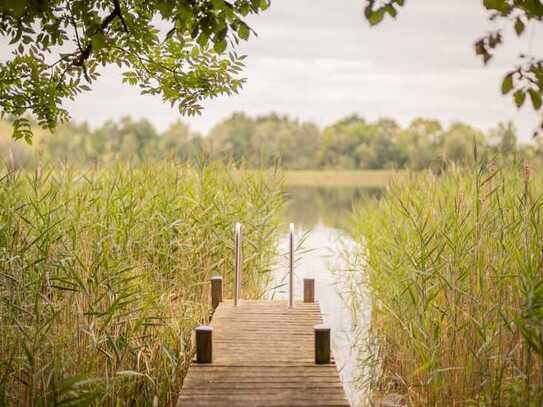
x: 321, y: 217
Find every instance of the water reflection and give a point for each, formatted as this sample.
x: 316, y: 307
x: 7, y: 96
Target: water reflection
x: 332, y: 207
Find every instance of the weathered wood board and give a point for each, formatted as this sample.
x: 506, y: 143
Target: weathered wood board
x: 263, y: 355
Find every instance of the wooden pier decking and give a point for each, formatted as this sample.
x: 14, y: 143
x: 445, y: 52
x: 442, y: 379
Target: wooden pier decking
x: 263, y: 355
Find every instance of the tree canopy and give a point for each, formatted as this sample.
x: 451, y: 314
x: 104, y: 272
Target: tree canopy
x: 264, y: 141
x: 172, y: 48
x: 525, y: 81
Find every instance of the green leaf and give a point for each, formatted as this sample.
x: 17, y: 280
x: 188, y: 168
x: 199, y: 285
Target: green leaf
x: 375, y: 17
x: 218, y: 4
x: 17, y: 6
x: 186, y: 12
x: 202, y: 39
x: 507, y: 83
x: 165, y: 8
x: 22, y: 130
x: 498, y: 5
x: 391, y: 10
x: 536, y: 98
x: 17, y: 37
x: 98, y: 41
x: 220, y: 46
x: 264, y: 4
x: 519, y: 26
x: 519, y: 97
x: 400, y: 2
x: 244, y: 9
x: 243, y: 31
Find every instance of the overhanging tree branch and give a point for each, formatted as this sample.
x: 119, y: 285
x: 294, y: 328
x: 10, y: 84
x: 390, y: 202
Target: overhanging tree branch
x: 190, y: 66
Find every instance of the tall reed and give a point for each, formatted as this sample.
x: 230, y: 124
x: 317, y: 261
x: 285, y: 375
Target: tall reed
x: 455, y: 272
x: 103, y: 275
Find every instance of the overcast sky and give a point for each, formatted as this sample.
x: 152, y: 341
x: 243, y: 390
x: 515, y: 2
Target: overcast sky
x: 318, y: 60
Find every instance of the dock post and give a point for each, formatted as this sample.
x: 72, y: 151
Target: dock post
x: 309, y: 290
x: 237, y: 271
x: 291, y: 267
x: 216, y: 291
x: 204, y: 344
x: 322, y: 344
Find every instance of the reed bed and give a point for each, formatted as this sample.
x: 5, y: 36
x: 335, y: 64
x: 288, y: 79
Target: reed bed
x: 104, y: 274
x: 454, y: 266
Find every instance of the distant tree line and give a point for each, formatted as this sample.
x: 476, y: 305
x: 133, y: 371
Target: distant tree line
x: 263, y: 141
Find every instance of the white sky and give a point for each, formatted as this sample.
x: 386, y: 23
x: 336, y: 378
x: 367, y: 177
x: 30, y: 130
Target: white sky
x: 319, y: 60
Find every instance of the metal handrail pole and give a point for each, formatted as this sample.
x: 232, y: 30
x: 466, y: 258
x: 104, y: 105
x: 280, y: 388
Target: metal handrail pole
x: 291, y: 267
x: 237, y: 271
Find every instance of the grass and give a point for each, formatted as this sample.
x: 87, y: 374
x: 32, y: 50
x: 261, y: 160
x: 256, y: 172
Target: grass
x: 340, y: 178
x: 104, y: 274
x: 455, y: 272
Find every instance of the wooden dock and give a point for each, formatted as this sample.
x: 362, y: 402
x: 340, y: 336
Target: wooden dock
x: 264, y: 354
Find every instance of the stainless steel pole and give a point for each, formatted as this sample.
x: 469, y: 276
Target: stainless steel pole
x: 291, y: 267
x: 237, y: 271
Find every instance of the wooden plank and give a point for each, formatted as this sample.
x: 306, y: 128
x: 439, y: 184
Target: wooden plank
x: 263, y: 355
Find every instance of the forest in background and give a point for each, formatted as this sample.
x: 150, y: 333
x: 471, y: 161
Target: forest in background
x: 263, y: 141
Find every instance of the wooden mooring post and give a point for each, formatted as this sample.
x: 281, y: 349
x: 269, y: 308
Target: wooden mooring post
x: 309, y: 290
x: 216, y: 291
x: 204, y: 344
x: 322, y: 344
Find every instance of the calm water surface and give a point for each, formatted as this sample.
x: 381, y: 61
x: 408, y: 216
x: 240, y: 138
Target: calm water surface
x: 321, y: 217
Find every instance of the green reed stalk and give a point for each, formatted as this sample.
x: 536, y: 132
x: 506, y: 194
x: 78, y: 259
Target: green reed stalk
x: 104, y: 274
x: 455, y: 272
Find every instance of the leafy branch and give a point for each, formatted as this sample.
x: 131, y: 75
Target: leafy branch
x: 526, y: 80
x: 185, y: 66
